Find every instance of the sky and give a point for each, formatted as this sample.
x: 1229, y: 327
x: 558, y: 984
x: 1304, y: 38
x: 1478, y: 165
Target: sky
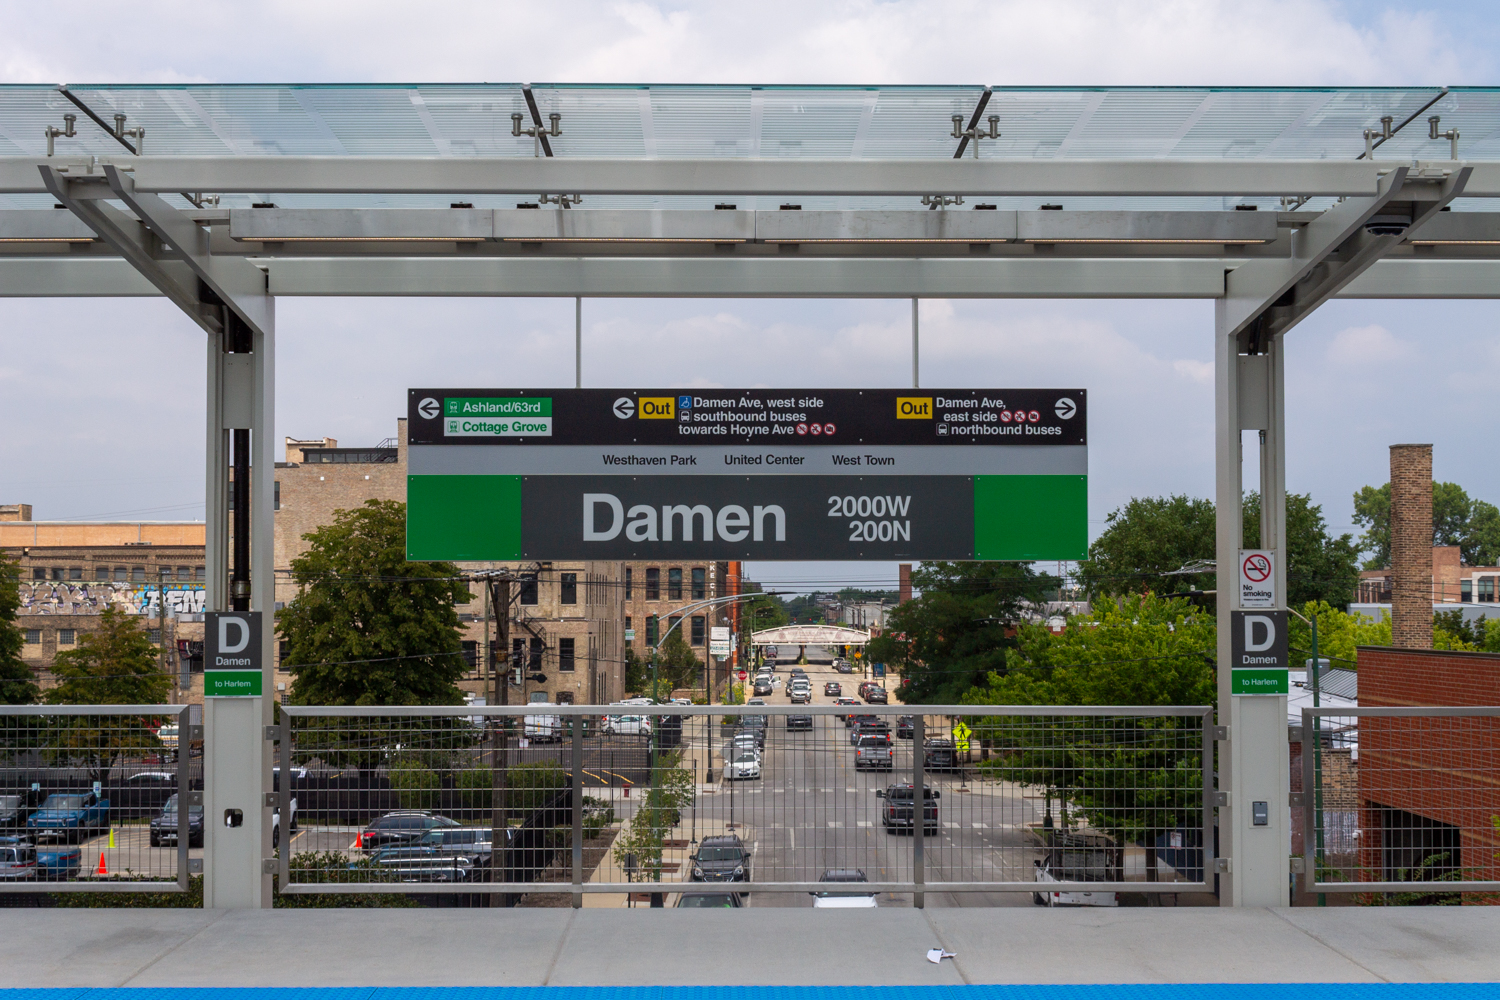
x: 102, y: 399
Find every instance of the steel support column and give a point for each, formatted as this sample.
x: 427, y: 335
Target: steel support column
x: 1263, y: 299
x: 228, y: 298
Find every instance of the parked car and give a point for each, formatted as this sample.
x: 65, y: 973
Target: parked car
x: 69, y: 816
x: 17, y: 860
x: 763, y: 685
x: 1079, y: 857
x: 799, y: 722
x: 14, y: 810
x: 896, y: 813
x: 471, y: 840
x: 938, y: 754
x: 721, y: 859
x: 58, y: 861
x: 164, y: 825
x: 905, y: 727
x: 402, y: 827
x: 833, y: 689
x: 410, y: 863
x: 876, y: 695
x: 743, y: 765
x: 838, y: 899
x: 710, y: 901
x: 874, y: 751
x: 627, y: 725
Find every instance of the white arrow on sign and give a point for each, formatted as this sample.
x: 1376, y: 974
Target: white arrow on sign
x: 1066, y: 408
x: 429, y: 408
x: 624, y: 407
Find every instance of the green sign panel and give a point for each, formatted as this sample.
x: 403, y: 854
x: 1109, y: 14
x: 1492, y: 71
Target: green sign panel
x: 231, y: 683
x: 1259, y: 681
x: 497, y: 416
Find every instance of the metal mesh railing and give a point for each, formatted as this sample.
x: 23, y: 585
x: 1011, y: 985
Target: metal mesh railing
x: 89, y: 794
x: 1402, y: 802
x: 767, y: 799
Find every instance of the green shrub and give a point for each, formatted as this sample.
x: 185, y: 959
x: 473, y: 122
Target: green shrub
x: 416, y: 784
x: 532, y: 785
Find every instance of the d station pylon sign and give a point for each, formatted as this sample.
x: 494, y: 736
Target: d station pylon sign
x: 747, y: 474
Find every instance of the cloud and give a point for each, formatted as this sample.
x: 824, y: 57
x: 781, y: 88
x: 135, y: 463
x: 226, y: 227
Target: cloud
x: 1366, y: 345
x: 1063, y: 42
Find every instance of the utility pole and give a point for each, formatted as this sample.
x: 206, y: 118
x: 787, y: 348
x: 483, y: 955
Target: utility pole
x: 161, y: 629
x: 499, y: 821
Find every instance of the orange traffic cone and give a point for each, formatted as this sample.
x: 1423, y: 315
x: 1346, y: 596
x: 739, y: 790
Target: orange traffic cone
x: 102, y: 870
x: 359, y: 841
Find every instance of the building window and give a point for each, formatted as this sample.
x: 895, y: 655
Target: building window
x: 471, y: 653
x: 517, y: 653
x: 39, y: 574
x: 66, y: 636
x: 538, y: 649
x: 1466, y: 591
x: 119, y: 574
x: 629, y: 579
x: 1487, y: 589
x: 629, y: 628
x: 184, y: 572
x: 565, y: 697
x: 700, y: 583
x: 282, y: 647
x: 700, y: 634
x: 198, y: 573
x: 528, y: 591
x: 568, y: 592
x: 674, y: 584
x: 138, y: 574
x: 75, y: 573
x: 33, y: 636
x: 565, y: 649
x: 154, y: 635
x: 101, y: 574
x: 276, y: 498
x: 59, y: 573
x: 652, y: 624
x: 653, y: 584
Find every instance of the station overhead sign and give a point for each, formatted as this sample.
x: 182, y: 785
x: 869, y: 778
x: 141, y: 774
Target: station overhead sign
x: 747, y: 474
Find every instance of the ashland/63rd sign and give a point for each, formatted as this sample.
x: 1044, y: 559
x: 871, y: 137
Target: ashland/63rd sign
x: 747, y: 474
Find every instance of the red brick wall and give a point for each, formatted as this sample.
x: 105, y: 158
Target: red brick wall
x: 1443, y: 768
x: 1411, y: 546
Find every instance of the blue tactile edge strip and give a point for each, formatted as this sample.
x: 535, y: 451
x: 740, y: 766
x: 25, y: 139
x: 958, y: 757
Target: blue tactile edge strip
x: 1186, y: 991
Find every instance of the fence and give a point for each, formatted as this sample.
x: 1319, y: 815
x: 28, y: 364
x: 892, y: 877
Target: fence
x: 1401, y: 800
x: 86, y: 782
x: 505, y: 800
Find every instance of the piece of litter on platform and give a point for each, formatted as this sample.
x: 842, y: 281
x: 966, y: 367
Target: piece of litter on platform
x: 936, y: 955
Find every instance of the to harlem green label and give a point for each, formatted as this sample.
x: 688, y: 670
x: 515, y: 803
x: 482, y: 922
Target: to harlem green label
x: 1258, y: 681
x: 231, y: 683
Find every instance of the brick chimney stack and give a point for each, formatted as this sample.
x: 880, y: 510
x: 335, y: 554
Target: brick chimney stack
x: 1411, y: 546
x: 903, y: 590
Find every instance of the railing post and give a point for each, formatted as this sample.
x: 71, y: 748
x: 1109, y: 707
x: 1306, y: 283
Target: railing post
x: 1311, y: 816
x: 919, y: 808
x: 184, y: 790
x: 1210, y: 749
x: 577, y: 722
x: 285, y: 758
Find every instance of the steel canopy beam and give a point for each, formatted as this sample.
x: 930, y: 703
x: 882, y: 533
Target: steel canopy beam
x: 749, y: 177
x: 1265, y: 297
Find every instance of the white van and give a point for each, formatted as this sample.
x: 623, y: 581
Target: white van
x: 543, y: 728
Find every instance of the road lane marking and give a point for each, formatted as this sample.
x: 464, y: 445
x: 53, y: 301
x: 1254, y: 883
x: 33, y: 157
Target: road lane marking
x: 865, y: 822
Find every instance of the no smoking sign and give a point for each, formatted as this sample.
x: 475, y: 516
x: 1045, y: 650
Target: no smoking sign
x: 1257, y: 578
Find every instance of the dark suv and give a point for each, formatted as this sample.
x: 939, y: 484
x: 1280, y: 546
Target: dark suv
x: 938, y: 755
x: 876, y: 696
x: 896, y: 813
x: 905, y: 727
x: 402, y: 827
x: 163, y: 829
x: 721, y: 859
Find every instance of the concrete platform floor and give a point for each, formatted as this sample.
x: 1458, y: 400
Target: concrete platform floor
x: 643, y: 947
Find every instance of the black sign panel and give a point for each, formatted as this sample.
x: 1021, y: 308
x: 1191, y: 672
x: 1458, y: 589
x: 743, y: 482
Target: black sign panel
x: 747, y: 517
x: 747, y: 416
x: 1258, y: 640
x: 231, y: 640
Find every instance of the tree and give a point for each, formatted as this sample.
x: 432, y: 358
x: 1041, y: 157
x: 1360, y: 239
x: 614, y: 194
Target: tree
x: 676, y: 665
x: 370, y: 628
x: 1472, y: 525
x: 1318, y: 566
x: 1147, y: 538
x: 1133, y: 776
x: 1150, y: 537
x: 114, y: 665
x: 954, y: 636
x: 17, y: 682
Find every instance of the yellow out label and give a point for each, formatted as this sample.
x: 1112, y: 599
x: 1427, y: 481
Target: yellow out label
x: 657, y: 407
x: 913, y: 407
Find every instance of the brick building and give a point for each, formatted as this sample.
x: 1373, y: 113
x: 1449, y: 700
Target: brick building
x: 71, y: 571
x: 1429, y: 788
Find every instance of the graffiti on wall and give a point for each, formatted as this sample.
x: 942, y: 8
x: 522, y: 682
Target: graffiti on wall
x: 60, y: 598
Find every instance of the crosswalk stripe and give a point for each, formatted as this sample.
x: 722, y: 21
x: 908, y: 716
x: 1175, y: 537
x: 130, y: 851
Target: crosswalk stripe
x: 834, y: 824
x: 865, y: 822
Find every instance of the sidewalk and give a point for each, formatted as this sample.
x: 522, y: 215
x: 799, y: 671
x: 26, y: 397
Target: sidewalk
x: 678, y: 846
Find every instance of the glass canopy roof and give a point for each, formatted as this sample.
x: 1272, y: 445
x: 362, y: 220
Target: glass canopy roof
x: 688, y: 121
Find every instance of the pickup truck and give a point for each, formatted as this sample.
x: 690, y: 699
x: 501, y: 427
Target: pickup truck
x: 69, y: 815
x: 874, y: 751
